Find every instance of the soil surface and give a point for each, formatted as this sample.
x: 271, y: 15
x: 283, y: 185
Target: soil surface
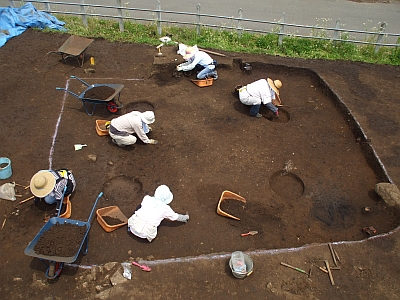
x: 307, y: 176
x: 60, y: 240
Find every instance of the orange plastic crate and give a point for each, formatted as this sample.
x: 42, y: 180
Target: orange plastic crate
x: 113, y: 212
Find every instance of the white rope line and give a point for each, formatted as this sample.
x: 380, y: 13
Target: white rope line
x: 57, y: 125
x: 250, y: 253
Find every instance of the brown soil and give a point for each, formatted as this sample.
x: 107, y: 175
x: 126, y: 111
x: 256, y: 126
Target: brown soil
x: 61, y: 240
x: 111, y: 220
x: 306, y: 176
x: 99, y: 92
x: 234, y: 208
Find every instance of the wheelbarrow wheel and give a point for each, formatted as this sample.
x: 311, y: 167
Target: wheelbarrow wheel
x: 112, y: 107
x: 54, y: 270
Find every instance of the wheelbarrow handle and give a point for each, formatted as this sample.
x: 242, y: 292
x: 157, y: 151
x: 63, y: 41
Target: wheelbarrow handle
x: 94, y: 206
x: 85, y: 83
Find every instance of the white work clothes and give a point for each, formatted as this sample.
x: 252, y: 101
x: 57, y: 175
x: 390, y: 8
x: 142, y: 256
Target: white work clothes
x: 199, y: 58
x: 256, y: 93
x: 129, y: 123
x: 144, y: 222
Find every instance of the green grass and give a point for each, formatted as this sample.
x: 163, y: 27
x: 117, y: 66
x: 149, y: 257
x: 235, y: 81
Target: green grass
x: 231, y: 41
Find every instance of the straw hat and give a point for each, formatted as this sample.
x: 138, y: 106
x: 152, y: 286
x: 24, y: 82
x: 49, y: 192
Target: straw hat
x: 42, y: 183
x: 275, y: 85
x: 190, y: 51
x: 148, y: 117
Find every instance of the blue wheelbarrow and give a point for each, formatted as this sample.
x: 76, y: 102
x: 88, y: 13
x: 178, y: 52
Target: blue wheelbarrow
x: 112, y: 101
x: 55, y: 263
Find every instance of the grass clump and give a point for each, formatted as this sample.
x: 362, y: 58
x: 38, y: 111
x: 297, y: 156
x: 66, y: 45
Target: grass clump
x: 233, y: 41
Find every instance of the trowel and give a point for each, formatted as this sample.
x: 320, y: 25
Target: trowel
x: 142, y: 267
x: 253, y: 232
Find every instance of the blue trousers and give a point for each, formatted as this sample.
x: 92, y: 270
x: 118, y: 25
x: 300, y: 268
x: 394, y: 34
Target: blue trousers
x: 254, y: 109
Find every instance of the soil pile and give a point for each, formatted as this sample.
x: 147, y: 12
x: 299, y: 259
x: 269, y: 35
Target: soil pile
x: 61, y: 240
x: 101, y: 92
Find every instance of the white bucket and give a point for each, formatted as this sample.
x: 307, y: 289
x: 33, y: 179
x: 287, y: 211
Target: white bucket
x: 248, y: 262
x: 5, y: 171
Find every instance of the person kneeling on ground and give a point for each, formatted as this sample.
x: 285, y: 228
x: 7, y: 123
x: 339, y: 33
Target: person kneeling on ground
x: 149, y: 214
x: 201, y: 62
x: 122, y: 128
x: 50, y: 185
x: 261, y: 92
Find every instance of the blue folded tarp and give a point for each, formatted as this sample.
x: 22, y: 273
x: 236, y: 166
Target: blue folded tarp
x: 14, y: 21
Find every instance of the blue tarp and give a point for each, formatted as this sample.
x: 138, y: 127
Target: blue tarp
x: 14, y: 21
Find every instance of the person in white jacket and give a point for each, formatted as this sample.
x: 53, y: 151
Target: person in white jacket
x: 149, y: 214
x: 261, y: 92
x: 121, y: 129
x: 199, y: 61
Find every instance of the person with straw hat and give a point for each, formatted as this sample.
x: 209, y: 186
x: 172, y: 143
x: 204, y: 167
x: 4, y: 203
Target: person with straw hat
x: 149, y: 214
x: 262, y: 91
x: 199, y: 61
x: 52, y: 185
x: 123, y: 129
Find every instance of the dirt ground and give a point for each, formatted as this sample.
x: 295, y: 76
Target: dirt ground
x: 307, y: 177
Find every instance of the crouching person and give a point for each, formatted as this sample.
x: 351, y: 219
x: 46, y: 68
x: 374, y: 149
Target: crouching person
x: 125, y: 129
x: 144, y: 222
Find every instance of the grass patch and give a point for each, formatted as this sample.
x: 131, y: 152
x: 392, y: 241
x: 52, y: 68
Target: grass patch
x: 232, y: 41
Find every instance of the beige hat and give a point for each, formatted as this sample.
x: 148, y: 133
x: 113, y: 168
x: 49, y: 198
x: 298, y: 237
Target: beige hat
x: 275, y: 85
x: 189, y: 52
x: 42, y: 183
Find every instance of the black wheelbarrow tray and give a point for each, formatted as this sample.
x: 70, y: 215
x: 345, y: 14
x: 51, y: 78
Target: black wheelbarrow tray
x: 113, y: 102
x: 56, y: 263
x: 75, y: 47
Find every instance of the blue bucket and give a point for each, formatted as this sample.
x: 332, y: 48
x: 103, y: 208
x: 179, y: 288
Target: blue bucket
x: 5, y: 171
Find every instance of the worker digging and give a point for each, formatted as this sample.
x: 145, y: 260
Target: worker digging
x: 124, y: 129
x: 261, y: 92
x: 201, y: 62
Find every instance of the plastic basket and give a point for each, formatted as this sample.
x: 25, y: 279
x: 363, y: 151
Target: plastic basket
x: 203, y: 82
x: 231, y: 196
x: 113, y: 212
x: 101, y: 127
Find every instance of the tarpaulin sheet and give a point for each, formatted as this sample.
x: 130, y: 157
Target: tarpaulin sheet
x: 14, y: 21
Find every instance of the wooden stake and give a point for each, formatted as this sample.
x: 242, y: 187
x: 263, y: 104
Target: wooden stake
x: 294, y: 268
x: 211, y: 52
x: 25, y: 187
x: 4, y: 223
x: 337, y: 256
x: 333, y: 254
x: 329, y: 272
x: 27, y: 199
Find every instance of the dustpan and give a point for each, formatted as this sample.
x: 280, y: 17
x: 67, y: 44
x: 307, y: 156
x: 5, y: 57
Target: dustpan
x: 203, y: 82
x: 231, y: 196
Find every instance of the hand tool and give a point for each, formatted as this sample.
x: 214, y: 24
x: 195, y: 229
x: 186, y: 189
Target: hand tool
x: 294, y: 268
x: 253, y: 232
x: 142, y: 267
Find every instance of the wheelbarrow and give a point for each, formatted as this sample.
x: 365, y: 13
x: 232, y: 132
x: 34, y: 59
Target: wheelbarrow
x: 55, y: 263
x: 75, y: 47
x: 112, y: 101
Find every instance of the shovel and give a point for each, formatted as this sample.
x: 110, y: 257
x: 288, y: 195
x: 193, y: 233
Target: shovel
x: 142, y: 267
x: 249, y: 233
